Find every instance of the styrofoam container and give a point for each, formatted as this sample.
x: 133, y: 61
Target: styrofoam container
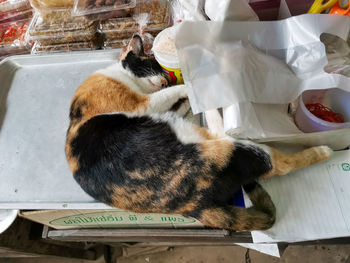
x: 336, y: 99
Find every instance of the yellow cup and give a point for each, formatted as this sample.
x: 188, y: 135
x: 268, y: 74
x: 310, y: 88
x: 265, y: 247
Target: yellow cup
x: 174, y: 75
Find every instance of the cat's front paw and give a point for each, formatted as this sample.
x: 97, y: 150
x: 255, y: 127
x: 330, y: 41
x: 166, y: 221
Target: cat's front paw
x: 181, y: 91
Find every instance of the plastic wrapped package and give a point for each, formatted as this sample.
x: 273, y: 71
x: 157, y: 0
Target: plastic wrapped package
x: 127, y: 34
x: 14, y: 5
x: 57, y: 27
x: 66, y: 37
x: 67, y: 47
x: 159, y: 12
x: 50, y: 4
x: 143, y: 21
x: 12, y: 38
x: 119, y: 43
x: 86, y: 7
x: 111, y: 14
x: 157, y: 9
x: 6, y: 17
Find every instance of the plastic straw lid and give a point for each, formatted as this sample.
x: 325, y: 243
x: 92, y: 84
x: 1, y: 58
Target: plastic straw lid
x: 164, y: 49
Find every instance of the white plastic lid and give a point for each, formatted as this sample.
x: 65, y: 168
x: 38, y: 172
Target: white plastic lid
x: 164, y: 49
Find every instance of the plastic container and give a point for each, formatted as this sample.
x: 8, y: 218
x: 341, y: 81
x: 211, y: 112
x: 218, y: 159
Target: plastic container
x: 66, y: 37
x: 67, y: 47
x: 50, y: 4
x: 14, y: 5
x: 336, y: 99
x: 119, y: 43
x: 86, y: 7
x: 164, y: 51
x: 57, y: 27
x: 12, y: 38
x: 11, y: 16
x: 110, y: 35
x: 157, y: 20
x: 158, y: 10
x: 58, y: 21
x: 110, y: 14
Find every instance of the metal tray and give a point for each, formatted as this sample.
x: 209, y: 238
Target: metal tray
x: 35, y: 95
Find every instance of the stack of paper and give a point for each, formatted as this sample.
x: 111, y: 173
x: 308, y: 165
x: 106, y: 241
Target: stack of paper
x: 312, y: 203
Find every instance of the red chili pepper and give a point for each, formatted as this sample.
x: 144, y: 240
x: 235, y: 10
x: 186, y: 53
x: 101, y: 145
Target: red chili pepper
x: 324, y: 113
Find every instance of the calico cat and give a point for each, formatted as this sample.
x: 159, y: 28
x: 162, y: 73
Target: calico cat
x: 128, y: 146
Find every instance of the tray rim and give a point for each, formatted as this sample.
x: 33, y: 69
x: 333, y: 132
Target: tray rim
x: 58, y: 58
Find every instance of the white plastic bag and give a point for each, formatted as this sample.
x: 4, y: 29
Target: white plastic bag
x: 229, y: 10
x: 262, y: 62
x: 256, y: 69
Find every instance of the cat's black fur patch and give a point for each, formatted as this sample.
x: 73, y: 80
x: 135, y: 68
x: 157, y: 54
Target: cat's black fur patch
x: 250, y: 187
x: 178, y: 104
x: 142, y: 66
x: 247, y: 164
x: 110, y: 146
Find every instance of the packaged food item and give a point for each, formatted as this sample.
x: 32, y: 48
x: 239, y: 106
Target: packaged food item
x: 12, y: 37
x: 158, y: 10
x: 110, y: 14
x: 67, y: 47
x: 66, y: 37
x: 56, y: 21
x: 14, y: 5
x: 165, y: 53
x: 119, y: 43
x: 50, y: 4
x: 6, y: 17
x: 57, y: 27
x: 86, y: 7
x: 147, y: 35
x: 126, y: 34
x: 159, y: 17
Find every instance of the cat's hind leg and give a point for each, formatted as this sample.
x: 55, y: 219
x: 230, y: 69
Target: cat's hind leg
x: 283, y: 163
x: 258, y: 217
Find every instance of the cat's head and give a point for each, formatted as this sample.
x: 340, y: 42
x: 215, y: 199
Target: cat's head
x: 136, y: 62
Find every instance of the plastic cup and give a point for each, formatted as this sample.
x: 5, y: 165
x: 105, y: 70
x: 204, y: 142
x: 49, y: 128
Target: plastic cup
x: 336, y: 99
x: 169, y: 62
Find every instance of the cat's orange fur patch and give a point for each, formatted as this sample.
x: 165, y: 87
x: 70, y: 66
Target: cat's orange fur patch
x: 203, y: 183
x: 173, y: 180
x: 104, y: 95
x: 217, y: 151
x: 236, y: 218
x: 188, y: 207
x: 285, y: 163
x: 72, y: 161
x: 204, y: 133
x: 133, y: 198
x: 215, y: 217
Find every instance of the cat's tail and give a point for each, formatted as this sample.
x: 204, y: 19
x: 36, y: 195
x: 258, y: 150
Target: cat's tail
x: 260, y: 216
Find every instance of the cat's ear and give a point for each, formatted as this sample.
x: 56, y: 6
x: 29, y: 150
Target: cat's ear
x: 136, y: 46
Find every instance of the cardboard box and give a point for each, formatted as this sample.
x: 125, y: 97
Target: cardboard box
x: 70, y: 219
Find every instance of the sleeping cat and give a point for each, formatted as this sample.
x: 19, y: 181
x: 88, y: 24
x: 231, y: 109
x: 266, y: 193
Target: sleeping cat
x: 128, y: 146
